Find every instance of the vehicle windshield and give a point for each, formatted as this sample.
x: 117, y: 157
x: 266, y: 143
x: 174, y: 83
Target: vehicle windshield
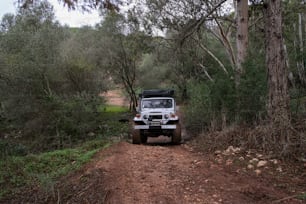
x: 157, y: 103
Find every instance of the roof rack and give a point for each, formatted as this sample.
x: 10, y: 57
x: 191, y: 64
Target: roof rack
x: 157, y: 93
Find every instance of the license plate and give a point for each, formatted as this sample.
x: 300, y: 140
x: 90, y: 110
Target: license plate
x: 155, y: 127
x: 155, y: 124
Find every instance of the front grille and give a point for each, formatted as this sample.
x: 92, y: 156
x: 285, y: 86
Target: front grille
x: 153, y: 117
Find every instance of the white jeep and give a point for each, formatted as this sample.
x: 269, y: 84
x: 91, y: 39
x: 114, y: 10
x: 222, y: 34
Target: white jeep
x: 156, y: 116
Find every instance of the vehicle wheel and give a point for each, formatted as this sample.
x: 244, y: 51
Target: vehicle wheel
x: 143, y: 138
x: 177, y: 136
x: 136, y: 136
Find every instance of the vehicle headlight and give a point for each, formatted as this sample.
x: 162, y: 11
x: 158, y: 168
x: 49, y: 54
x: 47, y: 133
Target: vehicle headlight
x: 145, y: 117
x: 166, y: 116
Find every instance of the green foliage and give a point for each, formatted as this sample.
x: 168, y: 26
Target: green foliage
x: 49, y: 82
x: 12, y: 149
x: 252, y: 91
x: 198, y: 112
x: 297, y: 103
x: 61, y: 122
x: 208, y: 103
x: 29, y: 50
x: 302, y: 196
x: 224, y: 96
x: 43, y: 169
x: 111, y: 125
x: 151, y: 73
x: 80, y: 60
x: 113, y: 109
x: 58, y: 162
x: 71, y: 119
x: 217, y: 103
x: 122, y: 45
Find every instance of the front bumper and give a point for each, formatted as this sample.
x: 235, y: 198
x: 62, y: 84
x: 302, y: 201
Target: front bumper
x: 148, y: 127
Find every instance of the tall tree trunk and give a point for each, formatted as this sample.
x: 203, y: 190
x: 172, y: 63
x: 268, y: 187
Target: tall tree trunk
x: 300, y: 61
x: 278, y: 97
x: 242, y: 36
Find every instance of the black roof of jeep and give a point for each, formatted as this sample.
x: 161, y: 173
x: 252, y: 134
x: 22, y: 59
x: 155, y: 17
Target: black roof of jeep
x: 157, y: 93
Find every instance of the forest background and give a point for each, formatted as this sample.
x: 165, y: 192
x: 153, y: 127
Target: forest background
x: 238, y: 69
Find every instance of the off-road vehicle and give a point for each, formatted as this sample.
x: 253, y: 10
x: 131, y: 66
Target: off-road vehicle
x: 156, y: 115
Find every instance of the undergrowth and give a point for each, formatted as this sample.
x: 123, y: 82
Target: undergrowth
x: 43, y: 169
x: 21, y: 167
x: 105, y: 124
x: 262, y: 138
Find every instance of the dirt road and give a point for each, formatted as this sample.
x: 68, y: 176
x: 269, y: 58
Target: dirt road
x: 159, y: 173
x: 116, y: 97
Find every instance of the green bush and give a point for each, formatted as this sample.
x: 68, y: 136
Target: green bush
x: 252, y: 91
x: 207, y: 102
x: 11, y: 149
x: 224, y: 98
x: 63, y: 121
x: 213, y: 104
x: 198, y: 112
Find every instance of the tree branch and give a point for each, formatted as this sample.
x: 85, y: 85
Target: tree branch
x: 212, y: 55
x: 195, y: 26
x: 206, y: 73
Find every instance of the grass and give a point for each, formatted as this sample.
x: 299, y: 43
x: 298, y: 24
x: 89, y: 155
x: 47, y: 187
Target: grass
x: 113, y: 109
x: 43, y: 169
x: 302, y: 196
x: 111, y: 116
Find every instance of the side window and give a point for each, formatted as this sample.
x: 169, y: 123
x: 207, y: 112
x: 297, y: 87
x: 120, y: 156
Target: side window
x: 169, y: 103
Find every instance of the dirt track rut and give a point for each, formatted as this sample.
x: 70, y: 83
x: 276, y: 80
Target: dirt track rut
x: 153, y: 174
x: 159, y: 173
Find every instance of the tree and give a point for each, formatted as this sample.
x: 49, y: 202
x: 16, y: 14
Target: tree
x: 85, y: 5
x: 49, y: 85
x: 294, y: 34
x: 242, y: 36
x: 278, y: 97
x: 122, y: 46
x: 80, y: 70
x: 7, y: 22
x: 29, y: 48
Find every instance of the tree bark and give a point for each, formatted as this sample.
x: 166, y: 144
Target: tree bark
x: 242, y: 36
x: 278, y: 96
x: 300, y: 61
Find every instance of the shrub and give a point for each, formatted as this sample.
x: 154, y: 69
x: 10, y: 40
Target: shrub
x: 252, y: 91
x: 209, y: 104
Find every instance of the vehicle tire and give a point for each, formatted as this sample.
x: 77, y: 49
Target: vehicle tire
x: 177, y: 135
x: 143, y: 138
x: 136, y: 139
